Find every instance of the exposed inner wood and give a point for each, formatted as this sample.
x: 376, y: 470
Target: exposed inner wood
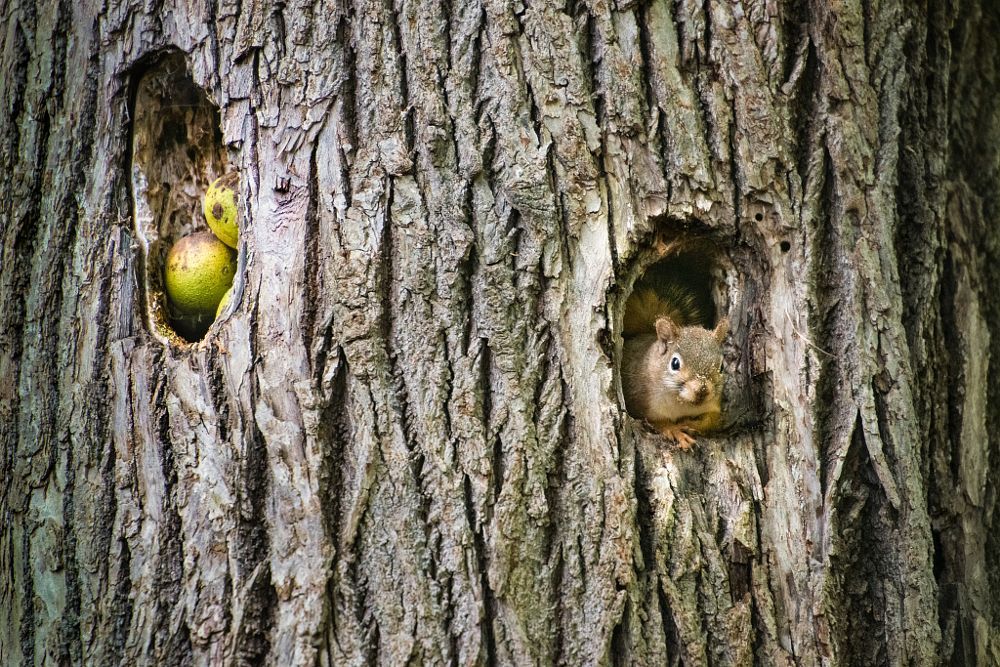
x: 176, y: 153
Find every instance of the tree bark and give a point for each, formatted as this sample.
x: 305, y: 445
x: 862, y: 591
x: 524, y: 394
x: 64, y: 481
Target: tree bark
x: 406, y: 443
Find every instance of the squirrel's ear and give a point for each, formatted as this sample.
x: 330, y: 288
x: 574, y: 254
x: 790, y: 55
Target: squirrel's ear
x: 666, y: 330
x: 721, y: 329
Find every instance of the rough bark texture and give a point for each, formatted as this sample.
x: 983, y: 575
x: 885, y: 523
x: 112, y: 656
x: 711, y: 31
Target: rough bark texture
x: 407, y: 444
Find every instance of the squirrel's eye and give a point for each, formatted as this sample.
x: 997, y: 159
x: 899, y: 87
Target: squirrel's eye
x: 675, y: 363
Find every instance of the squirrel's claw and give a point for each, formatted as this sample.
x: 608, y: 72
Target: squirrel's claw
x: 678, y: 434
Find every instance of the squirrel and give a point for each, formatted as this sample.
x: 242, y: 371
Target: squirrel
x: 671, y: 363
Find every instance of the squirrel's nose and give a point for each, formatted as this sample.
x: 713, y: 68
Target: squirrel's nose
x: 701, y: 393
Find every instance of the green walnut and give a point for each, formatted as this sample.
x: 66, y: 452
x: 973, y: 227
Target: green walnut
x: 199, y: 272
x: 224, y: 302
x: 220, y: 208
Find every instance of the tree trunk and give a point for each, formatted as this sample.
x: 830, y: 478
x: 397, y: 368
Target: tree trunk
x: 406, y: 443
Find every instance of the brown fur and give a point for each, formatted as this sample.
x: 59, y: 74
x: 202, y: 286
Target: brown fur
x: 657, y: 329
x: 671, y: 299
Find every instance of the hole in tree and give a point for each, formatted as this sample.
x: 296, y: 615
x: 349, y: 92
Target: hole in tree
x: 177, y: 153
x: 759, y: 217
x: 683, y: 280
x: 785, y: 246
x: 728, y: 280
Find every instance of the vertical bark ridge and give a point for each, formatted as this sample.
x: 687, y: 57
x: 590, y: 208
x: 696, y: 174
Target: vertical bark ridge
x: 76, y: 452
x: 486, y: 619
x: 172, y: 647
x: 960, y: 344
x: 432, y: 300
x: 26, y: 627
x: 16, y: 58
x: 34, y: 254
x: 867, y: 581
x: 863, y: 170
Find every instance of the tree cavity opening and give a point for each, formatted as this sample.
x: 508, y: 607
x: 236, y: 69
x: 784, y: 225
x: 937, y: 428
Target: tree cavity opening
x: 685, y: 279
x: 177, y: 152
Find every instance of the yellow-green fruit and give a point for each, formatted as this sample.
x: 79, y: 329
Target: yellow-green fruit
x: 200, y: 269
x: 224, y: 302
x: 220, y: 210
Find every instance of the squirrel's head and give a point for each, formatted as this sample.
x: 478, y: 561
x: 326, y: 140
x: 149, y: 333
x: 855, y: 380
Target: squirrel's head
x: 691, y: 365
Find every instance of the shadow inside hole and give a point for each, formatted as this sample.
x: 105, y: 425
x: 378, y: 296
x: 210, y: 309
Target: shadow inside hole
x: 685, y: 279
x: 176, y: 153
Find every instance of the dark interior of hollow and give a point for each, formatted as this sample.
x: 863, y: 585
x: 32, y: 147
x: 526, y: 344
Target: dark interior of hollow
x: 176, y: 153
x: 692, y: 268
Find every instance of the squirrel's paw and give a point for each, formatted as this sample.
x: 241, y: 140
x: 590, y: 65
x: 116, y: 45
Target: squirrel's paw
x: 678, y: 434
